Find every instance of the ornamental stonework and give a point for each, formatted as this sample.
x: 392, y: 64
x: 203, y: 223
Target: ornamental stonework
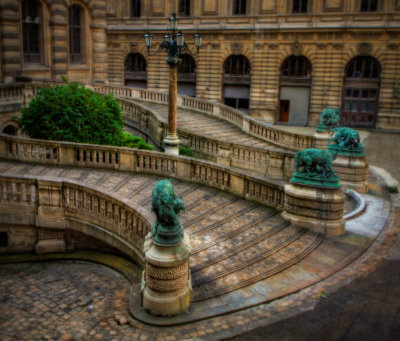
x: 167, y: 273
x: 165, y: 285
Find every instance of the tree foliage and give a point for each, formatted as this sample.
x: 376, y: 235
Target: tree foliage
x: 74, y: 113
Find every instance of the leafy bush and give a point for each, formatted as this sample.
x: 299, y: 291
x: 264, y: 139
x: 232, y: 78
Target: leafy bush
x: 131, y: 141
x: 186, y: 151
x: 74, y: 113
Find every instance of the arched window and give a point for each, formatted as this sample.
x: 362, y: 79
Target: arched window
x: 135, y: 71
x: 362, y: 68
x: 32, y: 31
x: 236, y: 81
x: 294, y: 90
x: 76, y: 37
x: 360, y: 92
x: 296, y: 66
x: 10, y: 130
x: 237, y: 65
x: 187, y: 76
x: 135, y: 8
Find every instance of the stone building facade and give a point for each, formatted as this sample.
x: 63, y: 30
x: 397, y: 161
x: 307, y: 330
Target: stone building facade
x: 279, y: 61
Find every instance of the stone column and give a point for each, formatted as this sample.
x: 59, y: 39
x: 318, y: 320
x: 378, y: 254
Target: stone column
x: 166, y: 284
x: 171, y: 142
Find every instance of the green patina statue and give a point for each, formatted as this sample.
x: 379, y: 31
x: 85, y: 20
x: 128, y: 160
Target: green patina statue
x: 167, y: 229
x: 329, y: 119
x: 345, y: 141
x: 314, y: 167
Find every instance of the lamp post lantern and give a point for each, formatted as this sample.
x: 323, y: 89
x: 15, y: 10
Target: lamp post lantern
x: 174, y: 44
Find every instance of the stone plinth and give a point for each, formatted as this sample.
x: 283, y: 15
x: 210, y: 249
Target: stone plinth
x: 166, y: 284
x: 352, y: 171
x: 319, y: 209
x: 321, y: 139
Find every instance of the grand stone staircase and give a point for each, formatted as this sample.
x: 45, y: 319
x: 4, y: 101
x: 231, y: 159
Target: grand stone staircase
x: 235, y: 242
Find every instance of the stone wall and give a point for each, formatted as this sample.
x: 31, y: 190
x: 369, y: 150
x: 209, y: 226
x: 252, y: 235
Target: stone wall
x: 330, y: 34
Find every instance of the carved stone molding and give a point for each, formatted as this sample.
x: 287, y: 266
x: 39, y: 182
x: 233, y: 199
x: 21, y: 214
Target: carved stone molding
x: 296, y: 48
x: 236, y: 48
x: 364, y: 48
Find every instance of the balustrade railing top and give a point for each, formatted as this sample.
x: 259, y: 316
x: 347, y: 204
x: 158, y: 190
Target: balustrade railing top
x: 267, y: 132
x: 266, y: 192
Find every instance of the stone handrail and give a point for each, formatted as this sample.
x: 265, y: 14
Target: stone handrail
x: 251, y: 126
x: 275, y: 164
x: 267, y: 162
x: 49, y: 203
x: 256, y: 128
x: 263, y: 191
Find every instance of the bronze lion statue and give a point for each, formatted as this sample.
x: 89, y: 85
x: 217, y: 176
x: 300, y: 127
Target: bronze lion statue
x: 314, y: 163
x: 166, y: 206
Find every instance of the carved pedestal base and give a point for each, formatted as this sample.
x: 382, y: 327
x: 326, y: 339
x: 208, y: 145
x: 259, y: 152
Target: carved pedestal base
x: 319, y: 209
x: 166, y: 284
x: 352, y: 171
x: 171, y: 144
x: 321, y: 139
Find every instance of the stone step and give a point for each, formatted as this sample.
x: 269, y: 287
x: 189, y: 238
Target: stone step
x: 234, y: 242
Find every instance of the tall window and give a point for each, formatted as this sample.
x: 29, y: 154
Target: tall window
x: 135, y: 8
x: 135, y: 71
x: 361, y: 92
x: 184, y: 7
x: 369, y: 5
x: 31, y: 31
x: 75, y: 34
x: 296, y: 66
x: 236, y: 82
x: 300, y: 6
x: 239, y: 7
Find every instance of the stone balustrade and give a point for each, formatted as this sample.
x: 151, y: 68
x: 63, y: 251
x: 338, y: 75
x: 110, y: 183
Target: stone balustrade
x: 256, y: 128
x: 266, y: 192
x: 60, y: 204
x: 272, y: 163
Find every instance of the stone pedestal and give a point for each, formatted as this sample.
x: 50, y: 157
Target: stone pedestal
x: 171, y: 144
x: 352, y: 171
x: 166, y: 283
x: 319, y: 209
x: 321, y: 139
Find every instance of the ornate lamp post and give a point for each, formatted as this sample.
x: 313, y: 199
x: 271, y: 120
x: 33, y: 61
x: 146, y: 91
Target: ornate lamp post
x: 174, y: 44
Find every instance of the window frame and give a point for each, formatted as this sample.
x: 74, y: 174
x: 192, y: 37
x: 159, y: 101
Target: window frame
x: 301, y: 6
x: 184, y: 8
x: 239, y: 7
x: 369, y: 4
x: 76, y: 57
x: 32, y: 32
x: 135, y: 9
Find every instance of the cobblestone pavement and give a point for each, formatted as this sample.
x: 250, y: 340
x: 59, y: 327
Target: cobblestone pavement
x: 61, y: 301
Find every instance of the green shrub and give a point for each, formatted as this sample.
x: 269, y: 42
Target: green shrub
x: 74, y: 113
x: 186, y: 151
x: 131, y: 141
